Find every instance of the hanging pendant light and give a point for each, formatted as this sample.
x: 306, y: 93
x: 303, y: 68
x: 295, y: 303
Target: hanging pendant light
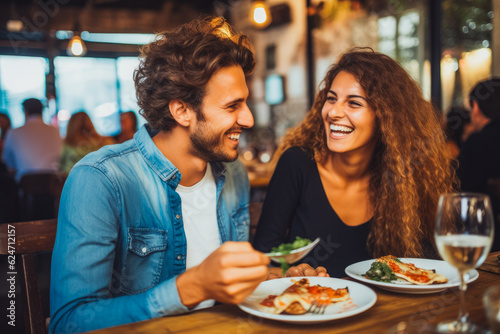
x: 76, y: 46
x: 260, y: 16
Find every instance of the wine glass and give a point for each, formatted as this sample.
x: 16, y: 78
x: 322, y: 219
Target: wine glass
x: 463, y: 234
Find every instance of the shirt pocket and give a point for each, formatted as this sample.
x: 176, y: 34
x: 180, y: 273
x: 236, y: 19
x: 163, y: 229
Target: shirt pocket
x: 143, y: 264
x: 241, y: 222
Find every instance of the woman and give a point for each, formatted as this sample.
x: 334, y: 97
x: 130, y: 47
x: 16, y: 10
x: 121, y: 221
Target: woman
x: 363, y: 171
x: 81, y: 139
x: 128, y: 126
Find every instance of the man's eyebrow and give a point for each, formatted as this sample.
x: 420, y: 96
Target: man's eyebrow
x: 232, y: 102
x: 349, y: 96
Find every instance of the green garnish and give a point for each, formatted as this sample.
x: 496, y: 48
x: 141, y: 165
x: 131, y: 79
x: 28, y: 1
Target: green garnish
x: 380, y: 272
x: 284, y: 266
x: 287, y: 248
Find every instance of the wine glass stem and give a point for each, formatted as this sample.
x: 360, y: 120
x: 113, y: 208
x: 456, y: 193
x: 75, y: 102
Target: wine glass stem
x: 462, y: 314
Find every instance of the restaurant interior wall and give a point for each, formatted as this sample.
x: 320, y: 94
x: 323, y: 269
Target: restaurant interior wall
x: 40, y: 22
x: 398, y: 28
x: 468, y: 51
x: 342, y: 25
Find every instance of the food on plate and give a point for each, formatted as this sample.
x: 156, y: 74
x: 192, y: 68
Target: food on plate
x: 389, y: 268
x: 300, y: 296
x: 380, y: 272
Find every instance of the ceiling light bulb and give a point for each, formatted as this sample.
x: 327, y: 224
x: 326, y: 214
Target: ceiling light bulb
x: 76, y: 47
x: 259, y: 14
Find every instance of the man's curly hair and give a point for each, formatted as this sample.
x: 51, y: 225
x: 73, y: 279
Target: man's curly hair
x: 179, y: 64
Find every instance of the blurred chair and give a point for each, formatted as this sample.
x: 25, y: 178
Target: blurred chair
x: 30, y: 238
x: 494, y: 193
x: 9, y: 201
x: 254, y: 209
x: 40, y: 194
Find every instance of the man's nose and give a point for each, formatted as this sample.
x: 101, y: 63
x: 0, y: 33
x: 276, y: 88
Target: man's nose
x: 245, y: 118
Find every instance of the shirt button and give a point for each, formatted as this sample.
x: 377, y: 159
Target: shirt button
x: 174, y: 176
x: 178, y: 216
x: 144, y: 249
x: 179, y: 257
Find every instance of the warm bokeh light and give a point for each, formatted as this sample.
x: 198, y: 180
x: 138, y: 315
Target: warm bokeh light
x: 475, y: 66
x: 259, y: 14
x: 63, y: 115
x: 448, y: 74
x: 76, y: 47
x: 248, y: 155
x: 265, y: 157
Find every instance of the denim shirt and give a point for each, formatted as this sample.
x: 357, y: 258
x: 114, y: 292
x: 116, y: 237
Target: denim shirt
x: 120, y: 238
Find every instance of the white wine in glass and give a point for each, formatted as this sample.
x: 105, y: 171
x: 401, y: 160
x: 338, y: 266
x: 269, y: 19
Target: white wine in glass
x: 463, y: 234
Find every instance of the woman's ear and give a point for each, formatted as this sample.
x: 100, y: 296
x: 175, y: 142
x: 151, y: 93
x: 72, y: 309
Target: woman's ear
x: 179, y: 111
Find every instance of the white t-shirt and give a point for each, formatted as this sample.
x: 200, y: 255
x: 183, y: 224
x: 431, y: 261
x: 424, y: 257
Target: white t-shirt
x: 199, y: 211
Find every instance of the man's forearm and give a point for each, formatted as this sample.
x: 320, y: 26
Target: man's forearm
x: 89, y: 314
x: 190, y: 288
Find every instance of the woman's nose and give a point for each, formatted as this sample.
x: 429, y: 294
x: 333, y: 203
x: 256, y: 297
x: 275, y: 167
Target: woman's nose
x: 336, y: 111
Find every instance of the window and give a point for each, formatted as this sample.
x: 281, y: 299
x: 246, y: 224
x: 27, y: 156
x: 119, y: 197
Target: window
x: 125, y: 67
x: 467, y: 57
x: 21, y: 78
x: 88, y: 84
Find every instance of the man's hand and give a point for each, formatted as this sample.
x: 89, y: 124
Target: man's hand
x: 302, y: 269
x: 228, y: 275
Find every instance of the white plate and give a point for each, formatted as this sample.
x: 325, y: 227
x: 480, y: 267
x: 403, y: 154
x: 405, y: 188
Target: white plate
x: 358, y: 270
x: 362, y: 298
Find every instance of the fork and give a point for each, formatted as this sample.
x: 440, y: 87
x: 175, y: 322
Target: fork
x: 317, y: 307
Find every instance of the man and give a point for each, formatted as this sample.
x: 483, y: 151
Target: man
x: 146, y: 227
x: 34, y: 147
x: 480, y: 156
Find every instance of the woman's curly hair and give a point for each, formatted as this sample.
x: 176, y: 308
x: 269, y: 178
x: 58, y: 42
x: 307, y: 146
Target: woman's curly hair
x: 411, y: 165
x: 179, y: 64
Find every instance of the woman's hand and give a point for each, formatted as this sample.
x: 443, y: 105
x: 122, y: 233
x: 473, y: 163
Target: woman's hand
x: 302, y: 269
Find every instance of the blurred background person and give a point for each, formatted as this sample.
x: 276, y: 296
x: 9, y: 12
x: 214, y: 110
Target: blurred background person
x: 34, y: 147
x: 5, y: 125
x: 480, y: 155
x: 128, y: 125
x: 458, y: 128
x: 81, y: 139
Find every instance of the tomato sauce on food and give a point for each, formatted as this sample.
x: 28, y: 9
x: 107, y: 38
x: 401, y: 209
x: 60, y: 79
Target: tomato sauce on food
x: 422, y: 277
x: 269, y: 301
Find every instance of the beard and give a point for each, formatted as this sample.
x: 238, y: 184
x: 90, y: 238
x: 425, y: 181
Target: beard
x: 209, y: 145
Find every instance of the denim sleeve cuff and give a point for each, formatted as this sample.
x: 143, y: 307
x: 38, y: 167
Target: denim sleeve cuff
x: 164, y: 299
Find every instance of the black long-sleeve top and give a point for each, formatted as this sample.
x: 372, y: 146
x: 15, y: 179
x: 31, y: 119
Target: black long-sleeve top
x: 296, y: 205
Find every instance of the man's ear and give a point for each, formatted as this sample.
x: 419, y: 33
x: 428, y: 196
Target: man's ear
x: 179, y: 111
x: 474, y: 107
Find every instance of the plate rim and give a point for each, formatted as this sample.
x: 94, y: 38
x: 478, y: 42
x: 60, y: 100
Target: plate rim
x: 473, y: 275
x: 297, y: 319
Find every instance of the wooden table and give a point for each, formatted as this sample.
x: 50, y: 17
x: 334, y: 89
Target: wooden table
x: 390, y: 309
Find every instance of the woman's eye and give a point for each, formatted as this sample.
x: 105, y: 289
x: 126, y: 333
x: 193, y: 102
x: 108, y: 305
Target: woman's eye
x: 331, y: 99
x: 355, y: 104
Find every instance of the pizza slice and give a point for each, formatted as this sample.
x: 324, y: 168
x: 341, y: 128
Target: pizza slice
x: 298, y: 298
x: 411, y: 273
